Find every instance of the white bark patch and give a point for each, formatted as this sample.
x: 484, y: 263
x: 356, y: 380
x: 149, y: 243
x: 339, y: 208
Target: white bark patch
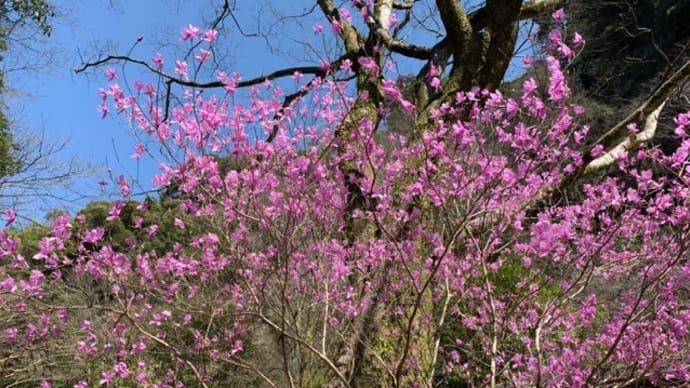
x: 627, y: 143
x: 382, y: 13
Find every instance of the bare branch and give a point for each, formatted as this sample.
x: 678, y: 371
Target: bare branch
x: 287, y: 72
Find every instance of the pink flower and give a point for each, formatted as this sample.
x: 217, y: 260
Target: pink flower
x: 114, y: 211
x: 391, y: 89
x: 578, y: 40
x: 178, y: 223
x: 682, y: 121
x: 345, y: 14
x: 203, y: 55
x: 122, y: 370
x: 210, y: 35
x: 325, y: 66
x: 62, y: 314
x: 10, y: 217
x: 394, y: 20
x: 36, y: 278
x: 110, y: 73
x: 597, y: 151
x: 103, y: 108
x: 151, y: 231
x: 565, y: 51
x: 190, y: 32
x: 435, y: 83
x: 10, y: 335
x: 369, y: 63
x: 529, y: 86
x: 346, y: 65
x: 124, y: 187
x: 318, y: 28
x: 106, y: 377
x: 407, y: 106
x: 236, y: 347
x: 512, y: 106
x: 433, y: 72
x: 231, y: 83
x: 558, y: 16
x: 158, y: 61
x: 141, y: 378
x: 181, y: 68
x: 139, y: 150
x: 558, y: 88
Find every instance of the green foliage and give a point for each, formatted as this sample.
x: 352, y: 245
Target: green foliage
x: 511, y: 285
x: 9, y: 164
x: 117, y: 231
x: 14, y: 15
x: 38, y: 12
x: 162, y: 214
x: 30, y: 237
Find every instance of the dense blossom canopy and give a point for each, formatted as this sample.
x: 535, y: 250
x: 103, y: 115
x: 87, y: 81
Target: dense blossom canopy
x: 313, y: 247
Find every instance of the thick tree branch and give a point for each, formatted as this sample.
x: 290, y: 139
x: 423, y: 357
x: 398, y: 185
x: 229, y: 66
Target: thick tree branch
x: 536, y: 8
x: 382, y: 13
x: 351, y: 37
x: 423, y: 90
x: 404, y: 4
x: 657, y: 99
x: 502, y: 32
x: 408, y: 50
x: 459, y: 33
x: 482, y: 17
x: 379, y: 25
